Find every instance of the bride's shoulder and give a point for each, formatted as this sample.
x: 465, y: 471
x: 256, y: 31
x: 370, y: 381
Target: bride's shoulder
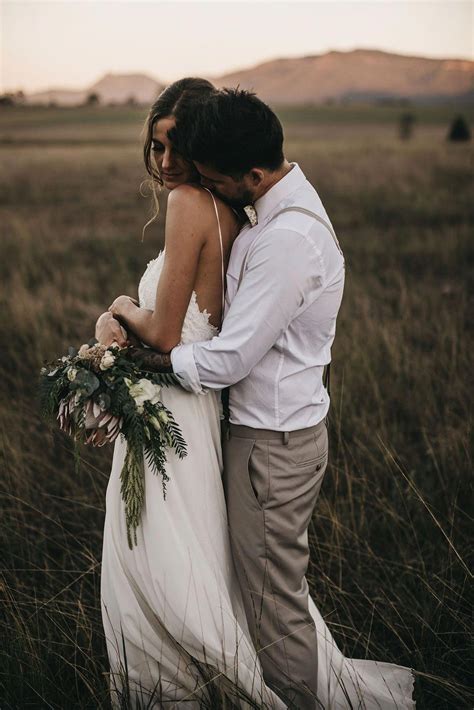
x: 192, y: 196
x: 188, y: 196
x: 192, y: 205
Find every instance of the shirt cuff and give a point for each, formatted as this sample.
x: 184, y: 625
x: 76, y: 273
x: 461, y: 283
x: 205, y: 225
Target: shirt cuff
x: 184, y: 367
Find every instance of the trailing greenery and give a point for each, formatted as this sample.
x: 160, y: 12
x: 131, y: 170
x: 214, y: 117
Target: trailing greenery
x: 99, y: 393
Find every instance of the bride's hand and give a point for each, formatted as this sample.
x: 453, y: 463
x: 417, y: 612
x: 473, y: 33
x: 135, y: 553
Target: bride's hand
x: 108, y: 330
x: 120, y: 305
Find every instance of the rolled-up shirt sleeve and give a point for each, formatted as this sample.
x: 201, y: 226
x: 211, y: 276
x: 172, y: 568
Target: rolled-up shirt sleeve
x: 284, y: 272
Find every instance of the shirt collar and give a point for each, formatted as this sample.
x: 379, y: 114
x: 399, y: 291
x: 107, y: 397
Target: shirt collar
x: 288, y: 184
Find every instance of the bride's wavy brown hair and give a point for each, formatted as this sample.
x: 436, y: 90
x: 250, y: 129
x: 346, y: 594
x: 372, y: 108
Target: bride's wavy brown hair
x: 177, y: 100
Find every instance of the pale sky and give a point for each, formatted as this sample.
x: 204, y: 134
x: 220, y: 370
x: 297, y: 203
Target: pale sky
x: 73, y: 43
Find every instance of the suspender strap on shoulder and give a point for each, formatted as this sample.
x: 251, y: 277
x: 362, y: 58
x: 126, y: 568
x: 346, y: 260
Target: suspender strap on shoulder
x: 317, y: 217
x: 303, y: 210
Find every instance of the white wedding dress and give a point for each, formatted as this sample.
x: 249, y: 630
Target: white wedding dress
x: 171, y: 607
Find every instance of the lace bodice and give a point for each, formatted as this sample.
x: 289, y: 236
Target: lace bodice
x: 196, y: 324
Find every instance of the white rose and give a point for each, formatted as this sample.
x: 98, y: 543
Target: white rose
x: 144, y: 391
x: 71, y: 374
x: 107, y: 360
x: 83, y: 349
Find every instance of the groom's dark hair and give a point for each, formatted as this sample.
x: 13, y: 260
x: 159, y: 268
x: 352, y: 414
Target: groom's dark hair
x: 232, y: 130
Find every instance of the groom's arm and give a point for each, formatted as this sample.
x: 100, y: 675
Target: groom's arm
x: 284, y: 272
x: 152, y: 359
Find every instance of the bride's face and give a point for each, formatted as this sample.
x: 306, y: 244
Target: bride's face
x: 173, y: 168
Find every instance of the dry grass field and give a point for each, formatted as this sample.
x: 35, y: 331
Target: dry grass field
x: 390, y: 536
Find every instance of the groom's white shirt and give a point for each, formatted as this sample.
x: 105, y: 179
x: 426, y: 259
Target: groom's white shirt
x: 279, y: 325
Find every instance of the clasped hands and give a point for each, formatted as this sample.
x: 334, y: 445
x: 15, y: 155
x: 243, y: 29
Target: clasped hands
x: 108, y: 329
x: 121, y: 304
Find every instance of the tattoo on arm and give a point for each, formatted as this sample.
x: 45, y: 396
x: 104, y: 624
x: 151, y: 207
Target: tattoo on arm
x: 152, y: 359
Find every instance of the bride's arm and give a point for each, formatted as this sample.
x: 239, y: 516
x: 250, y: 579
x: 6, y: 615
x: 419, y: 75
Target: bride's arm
x: 188, y: 220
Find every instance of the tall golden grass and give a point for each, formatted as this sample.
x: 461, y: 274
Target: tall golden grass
x: 390, y: 533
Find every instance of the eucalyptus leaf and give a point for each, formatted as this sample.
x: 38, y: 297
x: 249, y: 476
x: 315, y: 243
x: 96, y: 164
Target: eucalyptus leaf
x: 103, y: 400
x: 86, y: 381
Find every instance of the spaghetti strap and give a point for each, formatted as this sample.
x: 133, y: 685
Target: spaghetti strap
x: 222, y: 252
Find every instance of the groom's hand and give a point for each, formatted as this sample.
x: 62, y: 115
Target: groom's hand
x: 151, y: 359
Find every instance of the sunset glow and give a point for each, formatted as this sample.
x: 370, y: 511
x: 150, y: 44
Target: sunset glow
x: 71, y: 44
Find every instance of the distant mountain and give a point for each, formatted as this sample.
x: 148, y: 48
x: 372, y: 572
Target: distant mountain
x: 120, y: 88
x: 362, y: 74
x: 111, y: 89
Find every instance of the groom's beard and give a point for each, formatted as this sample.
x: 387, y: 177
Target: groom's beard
x: 239, y: 201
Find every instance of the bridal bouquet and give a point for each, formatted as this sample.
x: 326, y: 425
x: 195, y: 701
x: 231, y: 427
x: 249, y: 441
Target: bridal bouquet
x: 99, y: 392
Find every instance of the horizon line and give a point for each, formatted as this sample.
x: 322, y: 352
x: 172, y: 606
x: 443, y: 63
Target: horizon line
x: 241, y: 68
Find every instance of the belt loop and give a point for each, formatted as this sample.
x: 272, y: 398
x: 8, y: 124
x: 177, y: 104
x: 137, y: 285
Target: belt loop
x: 286, y: 436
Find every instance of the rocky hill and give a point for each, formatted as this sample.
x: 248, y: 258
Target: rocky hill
x: 359, y: 75
x: 364, y: 75
x: 111, y: 89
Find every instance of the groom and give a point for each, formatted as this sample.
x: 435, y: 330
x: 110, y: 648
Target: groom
x: 284, y: 287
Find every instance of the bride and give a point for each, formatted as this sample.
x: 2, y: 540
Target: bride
x: 174, y: 620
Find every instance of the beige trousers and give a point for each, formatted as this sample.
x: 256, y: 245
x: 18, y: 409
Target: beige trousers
x: 272, y: 480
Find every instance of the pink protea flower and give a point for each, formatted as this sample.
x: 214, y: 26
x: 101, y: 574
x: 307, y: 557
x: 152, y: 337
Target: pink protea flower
x: 102, y: 427
x: 65, y: 413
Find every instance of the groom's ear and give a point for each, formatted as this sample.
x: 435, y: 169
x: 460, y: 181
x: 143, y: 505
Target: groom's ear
x: 257, y: 176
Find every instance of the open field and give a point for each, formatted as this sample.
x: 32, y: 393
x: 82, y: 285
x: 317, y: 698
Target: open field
x: 391, y: 534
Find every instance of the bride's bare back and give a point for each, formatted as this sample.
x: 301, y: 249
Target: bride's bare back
x: 193, y: 261
x: 208, y: 283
